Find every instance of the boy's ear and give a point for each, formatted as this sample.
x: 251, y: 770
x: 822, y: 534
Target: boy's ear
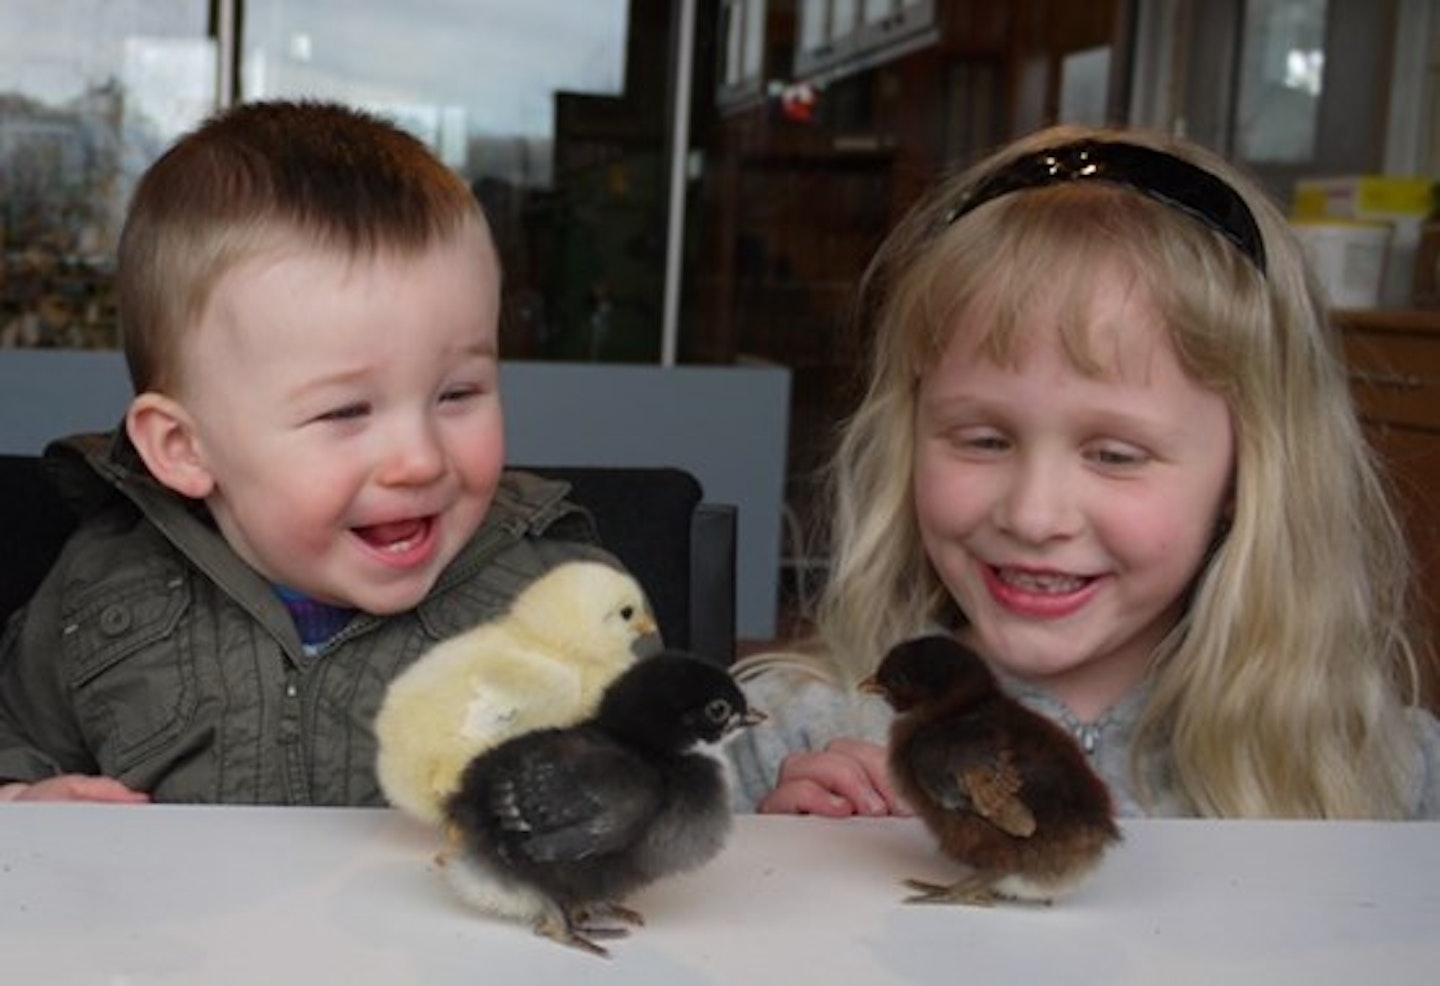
x: 164, y: 434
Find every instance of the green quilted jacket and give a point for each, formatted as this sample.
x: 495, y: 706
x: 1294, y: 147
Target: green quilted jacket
x: 153, y: 654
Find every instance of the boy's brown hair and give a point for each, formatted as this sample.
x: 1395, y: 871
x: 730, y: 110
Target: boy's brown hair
x: 334, y: 176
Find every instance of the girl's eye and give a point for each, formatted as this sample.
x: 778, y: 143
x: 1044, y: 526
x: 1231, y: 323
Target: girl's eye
x: 979, y: 441
x: 1119, y: 456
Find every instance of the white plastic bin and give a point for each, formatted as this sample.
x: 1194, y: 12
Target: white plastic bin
x: 1349, y: 257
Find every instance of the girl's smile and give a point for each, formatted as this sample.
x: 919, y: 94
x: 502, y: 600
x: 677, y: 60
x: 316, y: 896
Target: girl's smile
x: 1036, y: 593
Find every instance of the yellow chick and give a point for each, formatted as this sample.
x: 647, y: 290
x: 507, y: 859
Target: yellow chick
x: 545, y: 662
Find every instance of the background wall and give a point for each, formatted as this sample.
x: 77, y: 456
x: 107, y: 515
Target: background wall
x: 729, y: 426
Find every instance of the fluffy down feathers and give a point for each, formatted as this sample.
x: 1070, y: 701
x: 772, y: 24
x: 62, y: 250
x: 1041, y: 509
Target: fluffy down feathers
x: 557, y: 826
x: 545, y: 662
x: 1004, y: 790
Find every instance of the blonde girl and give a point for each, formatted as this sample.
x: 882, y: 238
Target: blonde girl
x: 1108, y: 440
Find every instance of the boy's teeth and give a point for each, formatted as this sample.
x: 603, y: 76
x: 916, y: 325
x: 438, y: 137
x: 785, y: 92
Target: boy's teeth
x: 396, y: 537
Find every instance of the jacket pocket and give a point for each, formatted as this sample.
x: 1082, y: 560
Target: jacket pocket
x: 134, y: 689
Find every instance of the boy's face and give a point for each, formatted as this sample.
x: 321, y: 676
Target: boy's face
x: 347, y: 414
x: 1067, y: 513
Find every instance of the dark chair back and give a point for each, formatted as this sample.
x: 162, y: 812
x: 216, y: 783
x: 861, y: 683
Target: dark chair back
x: 34, y: 523
x: 655, y: 520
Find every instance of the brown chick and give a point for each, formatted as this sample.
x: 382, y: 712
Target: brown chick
x: 1004, y: 790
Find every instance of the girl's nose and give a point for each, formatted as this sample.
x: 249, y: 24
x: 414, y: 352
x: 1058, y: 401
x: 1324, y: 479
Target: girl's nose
x: 1038, y: 504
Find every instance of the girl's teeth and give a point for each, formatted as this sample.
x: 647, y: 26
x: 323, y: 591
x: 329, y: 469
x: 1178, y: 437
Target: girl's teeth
x: 1050, y: 584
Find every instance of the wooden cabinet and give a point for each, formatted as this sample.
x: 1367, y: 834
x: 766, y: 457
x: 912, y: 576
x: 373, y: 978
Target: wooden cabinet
x: 1395, y: 377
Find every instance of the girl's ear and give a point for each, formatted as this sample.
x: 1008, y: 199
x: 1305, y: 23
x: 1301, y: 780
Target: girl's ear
x: 164, y: 434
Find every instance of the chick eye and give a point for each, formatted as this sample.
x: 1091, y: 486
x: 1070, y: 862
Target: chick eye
x: 627, y: 613
x: 717, y: 710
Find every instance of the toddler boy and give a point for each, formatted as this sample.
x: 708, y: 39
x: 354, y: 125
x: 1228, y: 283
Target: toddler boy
x: 307, y: 492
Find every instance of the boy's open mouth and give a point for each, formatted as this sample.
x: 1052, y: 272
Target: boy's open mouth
x: 397, y: 536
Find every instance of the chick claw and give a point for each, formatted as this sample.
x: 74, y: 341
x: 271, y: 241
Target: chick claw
x: 567, y: 931
x: 606, y: 910
x: 975, y: 891
x: 581, y: 926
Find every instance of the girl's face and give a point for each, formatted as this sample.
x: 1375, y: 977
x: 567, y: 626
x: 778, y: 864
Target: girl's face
x: 347, y: 415
x: 1068, y: 513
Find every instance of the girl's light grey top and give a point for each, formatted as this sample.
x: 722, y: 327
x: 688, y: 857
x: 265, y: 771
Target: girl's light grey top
x: 805, y: 711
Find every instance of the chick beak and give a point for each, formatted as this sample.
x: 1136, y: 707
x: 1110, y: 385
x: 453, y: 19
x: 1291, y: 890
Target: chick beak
x: 741, y: 721
x: 645, y: 625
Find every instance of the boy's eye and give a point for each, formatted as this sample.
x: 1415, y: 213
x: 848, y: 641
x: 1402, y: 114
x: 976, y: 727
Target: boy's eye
x: 348, y: 412
x: 459, y: 393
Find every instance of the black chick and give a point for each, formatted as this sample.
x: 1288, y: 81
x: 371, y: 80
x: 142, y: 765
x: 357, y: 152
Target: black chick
x: 574, y: 819
x: 1004, y: 790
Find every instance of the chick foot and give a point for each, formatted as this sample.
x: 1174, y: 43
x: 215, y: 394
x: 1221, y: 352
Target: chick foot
x: 975, y: 890
x: 454, y: 846
x: 606, y: 911
x: 575, y: 934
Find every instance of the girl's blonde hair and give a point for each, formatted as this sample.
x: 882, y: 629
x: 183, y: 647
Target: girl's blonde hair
x: 270, y: 175
x: 1279, y: 692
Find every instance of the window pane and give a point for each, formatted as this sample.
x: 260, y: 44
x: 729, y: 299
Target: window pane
x: 1281, y: 70
x: 842, y: 17
x: 878, y: 10
x: 814, y: 23
x: 754, y: 38
x: 90, y: 92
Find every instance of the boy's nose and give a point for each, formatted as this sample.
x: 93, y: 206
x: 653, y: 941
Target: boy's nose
x: 412, y: 457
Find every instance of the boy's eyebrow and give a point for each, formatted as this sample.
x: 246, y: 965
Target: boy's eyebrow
x: 338, y: 379
x: 486, y: 348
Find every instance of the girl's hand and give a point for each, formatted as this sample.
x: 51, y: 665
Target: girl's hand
x: 74, y: 787
x: 848, y: 777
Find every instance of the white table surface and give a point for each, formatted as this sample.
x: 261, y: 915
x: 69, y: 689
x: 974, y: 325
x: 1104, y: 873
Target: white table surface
x: 137, y: 895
